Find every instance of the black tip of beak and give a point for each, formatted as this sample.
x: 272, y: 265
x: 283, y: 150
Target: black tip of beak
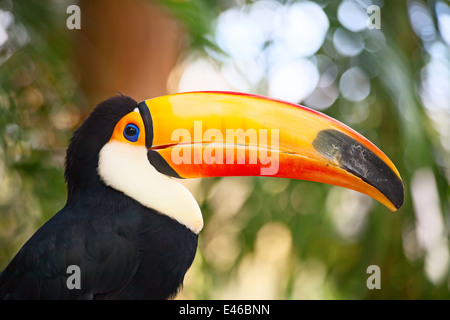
x: 357, y: 159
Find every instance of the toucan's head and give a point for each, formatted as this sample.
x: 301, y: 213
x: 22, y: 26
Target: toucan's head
x: 139, y: 148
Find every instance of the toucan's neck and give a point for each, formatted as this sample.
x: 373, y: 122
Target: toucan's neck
x: 81, y: 172
x: 94, y: 193
x: 83, y: 182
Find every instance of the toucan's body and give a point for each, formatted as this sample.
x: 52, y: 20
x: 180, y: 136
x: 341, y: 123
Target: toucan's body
x: 131, y: 230
x: 124, y: 251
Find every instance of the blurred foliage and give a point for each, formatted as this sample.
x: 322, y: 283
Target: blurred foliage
x: 267, y: 237
x: 197, y: 16
x: 37, y: 90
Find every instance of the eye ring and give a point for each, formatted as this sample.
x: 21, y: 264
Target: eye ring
x: 131, y: 132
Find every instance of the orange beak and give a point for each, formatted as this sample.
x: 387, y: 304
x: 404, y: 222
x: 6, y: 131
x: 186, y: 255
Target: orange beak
x: 212, y: 134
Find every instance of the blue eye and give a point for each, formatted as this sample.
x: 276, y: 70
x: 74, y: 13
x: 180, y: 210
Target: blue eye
x: 131, y: 132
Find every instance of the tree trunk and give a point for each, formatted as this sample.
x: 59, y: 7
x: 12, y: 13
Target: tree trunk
x: 128, y: 47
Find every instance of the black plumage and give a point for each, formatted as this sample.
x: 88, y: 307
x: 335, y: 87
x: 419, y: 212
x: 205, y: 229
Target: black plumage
x: 124, y: 249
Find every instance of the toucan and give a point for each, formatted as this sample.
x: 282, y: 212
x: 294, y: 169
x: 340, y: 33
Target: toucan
x: 131, y: 228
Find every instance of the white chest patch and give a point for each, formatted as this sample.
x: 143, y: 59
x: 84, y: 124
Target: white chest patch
x: 126, y: 168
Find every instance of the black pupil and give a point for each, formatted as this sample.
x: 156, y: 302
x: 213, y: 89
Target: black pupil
x: 130, y: 131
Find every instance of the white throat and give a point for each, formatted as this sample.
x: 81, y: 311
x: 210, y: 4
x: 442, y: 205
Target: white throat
x: 126, y: 168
